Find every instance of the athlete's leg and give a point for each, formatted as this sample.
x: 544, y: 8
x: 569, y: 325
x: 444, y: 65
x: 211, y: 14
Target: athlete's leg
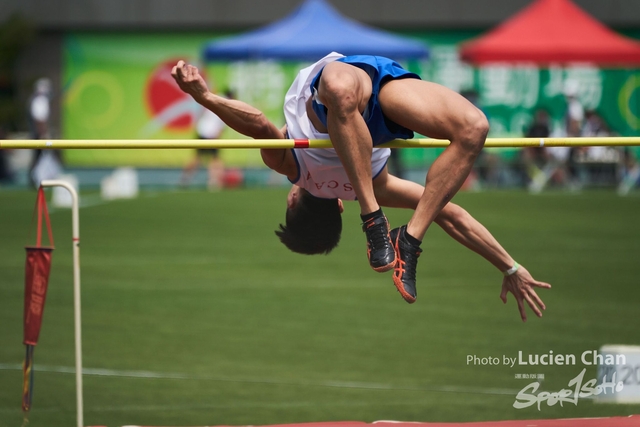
x: 190, y: 169
x: 345, y: 91
x: 437, y: 112
x: 215, y: 172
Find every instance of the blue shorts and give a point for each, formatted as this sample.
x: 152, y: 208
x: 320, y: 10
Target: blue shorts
x: 381, y: 70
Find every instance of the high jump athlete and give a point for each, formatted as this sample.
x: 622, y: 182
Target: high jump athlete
x: 321, y: 181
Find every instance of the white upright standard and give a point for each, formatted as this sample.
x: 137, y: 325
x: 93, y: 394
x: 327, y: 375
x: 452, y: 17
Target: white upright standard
x: 76, y: 289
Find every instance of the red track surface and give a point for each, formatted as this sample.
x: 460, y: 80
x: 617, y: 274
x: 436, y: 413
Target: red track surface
x: 632, y: 421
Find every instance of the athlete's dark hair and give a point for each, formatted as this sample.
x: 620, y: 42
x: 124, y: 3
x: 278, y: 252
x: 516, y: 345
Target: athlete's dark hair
x: 313, y: 226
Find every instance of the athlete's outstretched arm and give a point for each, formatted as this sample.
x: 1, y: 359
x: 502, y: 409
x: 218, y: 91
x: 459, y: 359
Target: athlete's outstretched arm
x: 236, y: 114
x: 239, y: 116
x: 459, y: 224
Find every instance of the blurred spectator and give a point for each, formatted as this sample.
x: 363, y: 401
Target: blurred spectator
x: 541, y: 126
x: 594, y: 125
x: 6, y: 176
x: 574, y: 115
x: 544, y: 164
x: 40, y: 108
x: 535, y: 160
x: 209, y: 126
x: 601, y: 164
x: 574, y: 120
x: 630, y: 171
x: 45, y: 164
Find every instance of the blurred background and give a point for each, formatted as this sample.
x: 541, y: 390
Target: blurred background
x: 107, y: 65
x: 195, y: 314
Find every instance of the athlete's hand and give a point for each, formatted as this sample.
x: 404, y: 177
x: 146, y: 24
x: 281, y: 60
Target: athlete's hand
x: 522, y: 285
x: 189, y: 79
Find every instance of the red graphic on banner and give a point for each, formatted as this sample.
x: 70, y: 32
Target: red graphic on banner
x: 163, y: 95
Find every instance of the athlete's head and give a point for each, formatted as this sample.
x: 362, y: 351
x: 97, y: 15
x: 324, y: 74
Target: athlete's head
x: 313, y: 225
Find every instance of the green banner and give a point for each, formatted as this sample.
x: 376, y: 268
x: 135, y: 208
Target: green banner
x: 118, y: 86
x: 509, y: 95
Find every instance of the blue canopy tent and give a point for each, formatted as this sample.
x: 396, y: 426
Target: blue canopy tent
x: 310, y: 32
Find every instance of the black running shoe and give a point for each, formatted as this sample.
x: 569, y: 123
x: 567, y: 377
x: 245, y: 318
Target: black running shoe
x: 382, y: 256
x: 404, y: 273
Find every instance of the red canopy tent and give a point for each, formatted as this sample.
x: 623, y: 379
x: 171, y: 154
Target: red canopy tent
x: 552, y: 32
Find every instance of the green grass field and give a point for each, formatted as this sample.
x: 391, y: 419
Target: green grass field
x: 194, y: 289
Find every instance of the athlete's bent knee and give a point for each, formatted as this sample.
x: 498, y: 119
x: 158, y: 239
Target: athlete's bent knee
x: 339, y: 89
x: 473, y: 132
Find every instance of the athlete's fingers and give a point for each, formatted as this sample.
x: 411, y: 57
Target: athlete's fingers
x: 180, y: 68
x: 534, y: 307
x: 536, y: 298
x: 523, y: 312
x: 195, y: 73
x: 503, y: 294
x: 542, y: 285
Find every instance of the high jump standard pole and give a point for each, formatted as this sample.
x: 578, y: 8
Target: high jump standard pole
x: 75, y: 219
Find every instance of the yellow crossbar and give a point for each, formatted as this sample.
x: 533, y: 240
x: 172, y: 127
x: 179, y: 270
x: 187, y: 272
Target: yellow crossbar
x: 300, y: 143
